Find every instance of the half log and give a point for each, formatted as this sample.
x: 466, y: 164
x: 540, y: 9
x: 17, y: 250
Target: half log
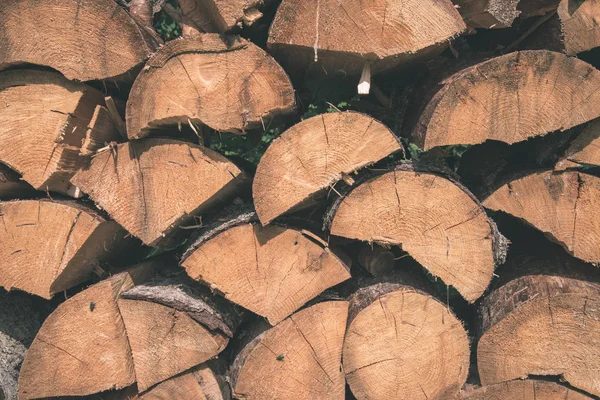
x: 48, y: 125
x: 314, y: 155
x: 50, y: 246
x: 439, y: 223
x: 153, y: 186
x: 529, y: 389
x: 299, y: 358
x: 223, y: 82
x: 534, y: 92
x: 102, y: 41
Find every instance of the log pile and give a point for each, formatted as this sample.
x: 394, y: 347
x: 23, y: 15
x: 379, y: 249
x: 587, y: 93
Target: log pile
x: 195, y: 203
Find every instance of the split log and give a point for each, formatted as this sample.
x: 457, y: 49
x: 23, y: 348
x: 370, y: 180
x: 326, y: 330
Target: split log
x: 534, y: 92
x: 314, y: 155
x: 48, y: 125
x: 354, y: 35
x: 271, y: 271
x: 562, y: 205
x: 221, y: 16
x: 153, y: 186
x: 299, y: 358
x: 51, y: 246
x: 584, y: 149
x: 11, y: 184
x: 402, y: 343
x: 542, y: 324
x: 529, y: 389
x: 488, y: 14
x: 102, y: 41
x: 437, y: 221
x: 223, y: 82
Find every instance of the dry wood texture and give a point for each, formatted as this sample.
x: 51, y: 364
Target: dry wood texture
x: 315, y: 154
x: 584, y: 149
x: 542, y: 325
x: 524, y: 390
x: 389, y: 326
x: 153, y: 186
x: 488, y: 13
x: 346, y: 35
x: 102, y: 40
x: 271, y: 270
x: 300, y: 358
x: 223, y: 82
x: 221, y: 16
x: 437, y: 222
x: 562, y: 205
x: 50, y: 246
x: 509, y: 99
x: 48, y: 125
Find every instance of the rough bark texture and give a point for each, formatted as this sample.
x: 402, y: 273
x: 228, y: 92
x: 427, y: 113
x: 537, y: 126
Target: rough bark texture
x: 524, y: 390
x: 488, y: 13
x: 224, y: 82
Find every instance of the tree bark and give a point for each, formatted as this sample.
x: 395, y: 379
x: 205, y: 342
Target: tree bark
x: 529, y: 389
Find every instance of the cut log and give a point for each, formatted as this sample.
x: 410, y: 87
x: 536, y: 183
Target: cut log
x: 562, y: 205
x: 300, y: 358
x: 510, y: 99
x: 377, y: 260
x: 102, y: 41
x: 524, y: 390
x: 154, y: 186
x: 82, y: 347
x: 439, y: 223
x: 346, y: 35
x: 221, y: 16
x: 47, y: 125
x: 11, y: 184
x: 313, y: 155
x: 542, y: 325
x: 488, y: 14
x: 584, y: 149
x: 271, y: 270
x: 224, y: 82
x: 50, y: 246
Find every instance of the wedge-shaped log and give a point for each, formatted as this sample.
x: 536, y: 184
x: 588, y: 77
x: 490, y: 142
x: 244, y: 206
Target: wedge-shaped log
x: 299, y: 358
x: 48, y: 125
x: 315, y: 154
x: 529, y: 389
x: 510, y: 99
x: 50, y: 246
x: 562, y: 205
x: 102, y: 41
x: 439, y: 223
x: 153, y: 186
x: 223, y: 82
x: 271, y: 270
x: 389, y: 326
x: 221, y: 16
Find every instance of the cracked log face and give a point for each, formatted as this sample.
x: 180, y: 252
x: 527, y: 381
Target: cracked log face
x: 510, y: 99
x: 584, y: 149
x: 389, y: 326
x: 542, y: 325
x: 153, y: 186
x: 223, y: 82
x: 437, y: 222
x: 221, y: 16
x: 562, y: 205
x: 102, y: 41
x: 315, y: 154
x: 524, y: 390
x: 299, y: 358
x: 271, y: 270
x: 488, y: 13
x: 49, y: 125
x: 51, y: 246
x: 345, y: 35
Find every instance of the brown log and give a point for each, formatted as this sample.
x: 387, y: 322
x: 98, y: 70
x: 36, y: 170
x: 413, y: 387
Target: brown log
x: 534, y: 92
x: 50, y: 246
x: 299, y: 358
x: 102, y: 41
x: 439, y: 223
x: 584, y: 149
x: 390, y: 325
x: 351, y: 34
x: 224, y: 82
x: 488, y: 14
x: 310, y: 157
x: 529, y: 389
x: 11, y: 184
x: 154, y: 186
x: 48, y: 125
x: 221, y: 16
x: 562, y: 205
x: 271, y: 270
x: 377, y: 260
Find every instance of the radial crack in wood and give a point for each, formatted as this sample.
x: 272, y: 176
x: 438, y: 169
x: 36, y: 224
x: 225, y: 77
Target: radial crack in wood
x: 510, y: 99
x: 223, y: 82
x: 528, y: 389
x: 310, y: 157
x: 153, y: 186
x: 299, y: 358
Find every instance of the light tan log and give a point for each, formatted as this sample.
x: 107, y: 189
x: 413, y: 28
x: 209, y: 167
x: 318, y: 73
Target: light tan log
x: 528, y: 389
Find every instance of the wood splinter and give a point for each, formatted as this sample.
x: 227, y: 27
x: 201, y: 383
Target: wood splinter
x: 364, y: 85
